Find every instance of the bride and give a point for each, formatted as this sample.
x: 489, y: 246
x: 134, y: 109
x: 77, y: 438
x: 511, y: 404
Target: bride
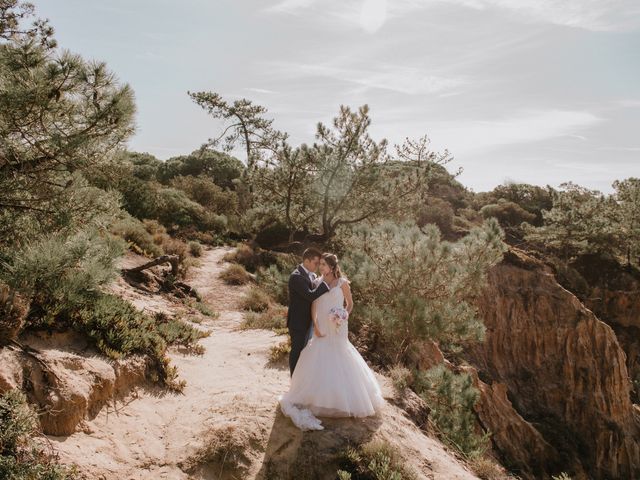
x: 331, y: 379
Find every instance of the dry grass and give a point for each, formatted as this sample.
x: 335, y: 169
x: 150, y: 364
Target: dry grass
x: 274, y: 318
x: 235, y: 274
x: 487, y: 469
x: 255, y: 300
x: 224, y: 454
x: 195, y: 248
x: 244, y: 255
x: 401, y: 377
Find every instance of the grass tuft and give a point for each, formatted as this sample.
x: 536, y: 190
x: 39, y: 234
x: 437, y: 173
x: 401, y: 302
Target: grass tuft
x: 235, y: 274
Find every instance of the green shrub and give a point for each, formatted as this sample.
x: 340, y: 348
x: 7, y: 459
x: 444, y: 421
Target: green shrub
x: 195, y: 249
x: 256, y: 300
x: 134, y: 232
x: 59, y: 273
x: 21, y: 457
x: 118, y: 329
x: 451, y: 398
x: 203, y: 190
x: 279, y: 352
x: 376, y: 460
x: 426, y: 289
x: 275, y: 281
x: 235, y: 274
x: 509, y: 214
x: 202, y: 307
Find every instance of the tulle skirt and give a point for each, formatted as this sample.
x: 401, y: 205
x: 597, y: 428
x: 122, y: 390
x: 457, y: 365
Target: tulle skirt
x: 331, y: 379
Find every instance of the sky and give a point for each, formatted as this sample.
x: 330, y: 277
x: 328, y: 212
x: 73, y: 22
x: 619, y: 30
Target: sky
x: 535, y: 91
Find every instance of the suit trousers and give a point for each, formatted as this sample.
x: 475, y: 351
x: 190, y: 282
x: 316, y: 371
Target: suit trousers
x: 298, y: 342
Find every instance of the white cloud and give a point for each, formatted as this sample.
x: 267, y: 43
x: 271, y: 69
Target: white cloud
x: 290, y: 6
x: 373, y: 15
x: 532, y: 126
x: 260, y: 90
x: 400, y: 79
x: 596, y: 15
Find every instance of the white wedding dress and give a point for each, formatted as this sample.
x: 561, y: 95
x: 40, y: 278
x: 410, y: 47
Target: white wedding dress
x: 331, y: 378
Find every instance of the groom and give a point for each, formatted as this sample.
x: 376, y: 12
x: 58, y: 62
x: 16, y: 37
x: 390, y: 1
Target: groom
x: 302, y: 293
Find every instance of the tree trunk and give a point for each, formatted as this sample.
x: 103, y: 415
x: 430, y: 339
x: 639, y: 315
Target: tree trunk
x: 174, y: 260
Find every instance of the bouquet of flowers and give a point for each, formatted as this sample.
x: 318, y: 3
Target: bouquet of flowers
x: 338, y: 316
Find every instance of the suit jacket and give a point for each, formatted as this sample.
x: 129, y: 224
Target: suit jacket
x: 301, y: 295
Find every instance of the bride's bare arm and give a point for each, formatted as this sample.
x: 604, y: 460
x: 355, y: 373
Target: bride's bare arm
x: 314, y: 318
x: 346, y: 289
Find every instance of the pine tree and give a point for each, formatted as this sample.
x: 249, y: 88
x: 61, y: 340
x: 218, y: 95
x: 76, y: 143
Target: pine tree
x: 628, y: 198
x: 59, y: 115
x: 413, y: 286
x: 580, y: 221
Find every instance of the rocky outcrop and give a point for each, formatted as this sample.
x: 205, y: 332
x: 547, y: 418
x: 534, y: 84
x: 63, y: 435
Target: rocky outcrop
x: 613, y: 294
x: 75, y: 387
x: 563, y: 371
x: 513, y: 438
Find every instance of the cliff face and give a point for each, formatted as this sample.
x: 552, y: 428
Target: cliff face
x: 563, y: 371
x: 615, y: 298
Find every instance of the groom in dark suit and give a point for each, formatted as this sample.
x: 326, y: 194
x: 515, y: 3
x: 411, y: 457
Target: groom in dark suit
x: 302, y: 293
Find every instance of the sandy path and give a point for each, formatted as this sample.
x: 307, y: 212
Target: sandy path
x: 149, y: 434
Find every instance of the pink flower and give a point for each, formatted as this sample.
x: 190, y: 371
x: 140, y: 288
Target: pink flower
x: 338, y: 316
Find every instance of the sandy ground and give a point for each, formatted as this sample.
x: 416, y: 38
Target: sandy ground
x: 151, y: 432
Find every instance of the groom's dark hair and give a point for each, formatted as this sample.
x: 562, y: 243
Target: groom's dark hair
x: 310, y: 253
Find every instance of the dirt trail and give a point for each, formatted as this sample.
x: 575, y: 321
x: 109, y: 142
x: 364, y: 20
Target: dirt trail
x: 231, y: 386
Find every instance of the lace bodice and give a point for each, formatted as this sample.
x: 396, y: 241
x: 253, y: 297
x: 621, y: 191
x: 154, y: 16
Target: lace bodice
x: 333, y: 298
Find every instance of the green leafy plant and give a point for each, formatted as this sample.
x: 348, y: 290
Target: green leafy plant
x: 376, y: 460
x: 22, y: 456
x: 451, y: 398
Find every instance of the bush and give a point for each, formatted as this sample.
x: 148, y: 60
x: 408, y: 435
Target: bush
x: 376, y: 460
x: 401, y: 377
x: 118, y: 329
x: 487, y: 469
x: 438, y: 212
x: 451, y: 398
x: 275, y: 282
x: 245, y: 256
x: 203, y: 190
x: 275, y: 234
x: 60, y: 273
x: 279, y: 352
x: 20, y: 456
x: 135, y: 233
x: 195, y: 249
x: 509, y: 214
x: 223, y: 169
x: 256, y: 300
x: 154, y: 227
x: 274, y: 318
x: 410, y: 285
x: 235, y: 274
x: 202, y: 307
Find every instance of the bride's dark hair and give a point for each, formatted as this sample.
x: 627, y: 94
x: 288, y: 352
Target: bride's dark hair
x: 332, y: 260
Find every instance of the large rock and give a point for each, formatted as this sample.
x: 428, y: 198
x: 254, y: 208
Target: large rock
x: 76, y: 383
x: 562, y: 369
